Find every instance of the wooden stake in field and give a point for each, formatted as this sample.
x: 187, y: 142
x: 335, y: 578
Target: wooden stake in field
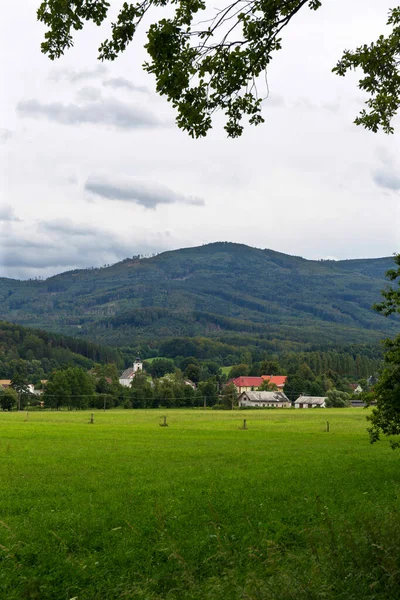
x: 164, y: 423
x: 244, y: 426
x: 327, y: 427
x: 91, y: 418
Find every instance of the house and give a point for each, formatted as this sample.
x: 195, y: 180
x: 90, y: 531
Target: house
x: 5, y: 383
x: 189, y: 382
x: 356, y: 388
x: 310, y: 402
x: 129, y: 374
x: 264, y: 399
x: 278, y: 380
x: 248, y: 384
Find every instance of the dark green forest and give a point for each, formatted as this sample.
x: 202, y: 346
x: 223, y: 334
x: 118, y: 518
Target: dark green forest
x: 37, y: 353
x: 232, y: 294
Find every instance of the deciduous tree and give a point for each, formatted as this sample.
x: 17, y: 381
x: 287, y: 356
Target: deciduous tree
x: 337, y: 399
x: 205, y: 64
x: 385, y: 417
x: 8, y: 398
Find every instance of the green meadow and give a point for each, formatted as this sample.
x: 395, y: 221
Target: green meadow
x: 201, y: 509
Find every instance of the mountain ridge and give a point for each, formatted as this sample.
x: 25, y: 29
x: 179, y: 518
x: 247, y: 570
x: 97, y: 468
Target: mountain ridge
x: 210, y: 290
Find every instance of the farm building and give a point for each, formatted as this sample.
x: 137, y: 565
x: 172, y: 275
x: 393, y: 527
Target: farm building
x: 264, y: 399
x: 310, y: 402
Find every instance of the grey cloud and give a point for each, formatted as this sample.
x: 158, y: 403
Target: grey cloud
x: 64, y: 248
x: 90, y: 94
x: 19, y: 243
x: 5, y: 135
x: 32, y: 258
x: 387, y: 180
x: 145, y: 193
x: 107, y: 111
x: 75, y: 76
x: 7, y: 213
x: 63, y: 245
x: 122, y: 83
x: 64, y: 226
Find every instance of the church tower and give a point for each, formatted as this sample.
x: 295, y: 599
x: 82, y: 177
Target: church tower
x: 137, y: 365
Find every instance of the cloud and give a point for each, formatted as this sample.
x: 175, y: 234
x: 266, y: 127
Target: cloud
x: 5, y: 135
x: 88, y: 94
x: 145, y: 193
x: 75, y: 76
x: 67, y: 227
x: 387, y: 179
x: 386, y: 176
x: 7, y: 213
x: 122, y: 83
x: 60, y: 245
x: 106, y: 111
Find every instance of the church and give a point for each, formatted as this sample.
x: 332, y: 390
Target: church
x: 129, y: 374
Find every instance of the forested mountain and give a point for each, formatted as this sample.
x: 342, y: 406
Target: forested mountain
x: 230, y: 292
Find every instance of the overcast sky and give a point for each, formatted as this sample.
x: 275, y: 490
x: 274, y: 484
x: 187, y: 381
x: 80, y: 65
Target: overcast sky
x: 93, y: 168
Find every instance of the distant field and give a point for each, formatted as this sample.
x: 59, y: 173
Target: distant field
x: 125, y: 509
x: 225, y: 370
x: 150, y: 360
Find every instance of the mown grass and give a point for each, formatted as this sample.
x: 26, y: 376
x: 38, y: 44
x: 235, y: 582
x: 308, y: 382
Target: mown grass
x: 125, y: 509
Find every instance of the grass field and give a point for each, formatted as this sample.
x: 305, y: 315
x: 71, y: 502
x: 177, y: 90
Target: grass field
x: 226, y: 370
x: 125, y: 509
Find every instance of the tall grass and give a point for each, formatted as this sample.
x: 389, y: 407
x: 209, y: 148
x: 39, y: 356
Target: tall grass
x: 125, y: 509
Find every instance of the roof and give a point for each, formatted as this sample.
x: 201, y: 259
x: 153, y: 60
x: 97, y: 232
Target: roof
x: 127, y: 374
x: 265, y: 396
x: 247, y: 381
x: 311, y: 399
x: 5, y: 381
x: 278, y: 380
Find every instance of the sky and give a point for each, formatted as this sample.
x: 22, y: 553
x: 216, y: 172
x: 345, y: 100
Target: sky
x: 93, y: 168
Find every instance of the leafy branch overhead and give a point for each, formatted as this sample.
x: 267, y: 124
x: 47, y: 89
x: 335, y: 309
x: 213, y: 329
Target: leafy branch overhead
x: 215, y: 64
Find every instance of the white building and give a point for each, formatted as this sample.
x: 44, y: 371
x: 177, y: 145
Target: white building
x: 310, y: 402
x: 129, y: 374
x: 264, y: 399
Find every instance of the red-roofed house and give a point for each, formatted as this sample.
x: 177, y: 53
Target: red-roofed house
x: 248, y: 384
x: 278, y: 380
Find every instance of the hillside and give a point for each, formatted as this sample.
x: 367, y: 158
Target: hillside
x: 36, y: 353
x: 221, y: 290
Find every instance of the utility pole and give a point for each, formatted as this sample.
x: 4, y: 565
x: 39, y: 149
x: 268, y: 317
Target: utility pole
x: 205, y: 402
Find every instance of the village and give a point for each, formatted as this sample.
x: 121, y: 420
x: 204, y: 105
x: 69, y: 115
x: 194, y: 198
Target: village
x: 245, y: 392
